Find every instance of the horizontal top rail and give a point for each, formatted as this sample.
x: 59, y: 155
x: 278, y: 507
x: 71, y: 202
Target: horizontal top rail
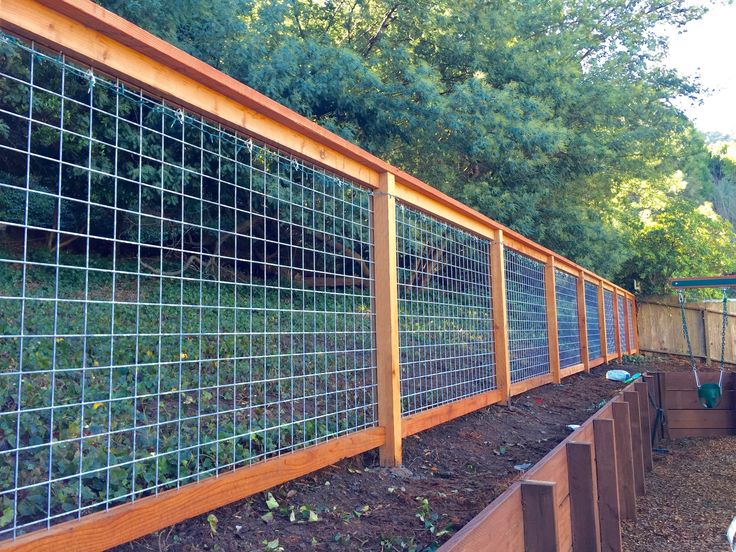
x: 61, y: 24
x: 704, y: 282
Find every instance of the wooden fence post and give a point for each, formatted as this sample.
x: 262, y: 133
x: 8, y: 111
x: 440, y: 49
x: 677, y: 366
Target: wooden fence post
x: 583, y: 497
x: 624, y: 460
x: 609, y: 513
x: 616, y: 327
x: 540, y: 516
x: 500, y: 317
x: 635, y: 324
x: 602, y: 321
x: 646, y: 423
x: 583, y: 322
x: 637, y: 447
x: 387, y: 321
x: 551, y: 302
x: 627, y: 330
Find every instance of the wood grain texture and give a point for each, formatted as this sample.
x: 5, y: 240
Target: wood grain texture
x: 616, y: 326
x: 553, y: 339
x: 524, y: 386
x: 583, y: 496
x: 701, y: 419
x: 624, y: 460
x: 609, y: 513
x: 582, y: 322
x: 642, y: 390
x: 572, y: 370
x: 500, y: 317
x: 540, y: 516
x: 446, y: 412
x: 120, y: 524
x: 500, y: 523
x: 387, y: 322
x: 637, y: 447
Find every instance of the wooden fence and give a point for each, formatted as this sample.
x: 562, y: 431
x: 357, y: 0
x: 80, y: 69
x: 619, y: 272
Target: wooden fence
x: 113, y: 47
x: 660, y: 328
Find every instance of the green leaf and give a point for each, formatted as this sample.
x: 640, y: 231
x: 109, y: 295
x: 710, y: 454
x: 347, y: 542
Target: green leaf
x: 271, y: 502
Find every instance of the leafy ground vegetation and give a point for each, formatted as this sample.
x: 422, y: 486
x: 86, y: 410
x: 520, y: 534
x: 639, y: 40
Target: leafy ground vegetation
x: 451, y: 472
x: 555, y: 118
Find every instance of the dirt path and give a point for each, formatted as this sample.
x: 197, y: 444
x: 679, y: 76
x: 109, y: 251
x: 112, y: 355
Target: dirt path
x: 690, y: 501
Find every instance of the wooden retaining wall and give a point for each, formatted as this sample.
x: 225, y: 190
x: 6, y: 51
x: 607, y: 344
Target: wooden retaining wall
x: 577, y: 495
x: 685, y: 417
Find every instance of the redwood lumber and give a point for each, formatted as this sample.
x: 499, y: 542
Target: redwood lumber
x: 583, y: 497
x: 637, y: 447
x: 540, y: 516
x: 624, y: 460
x: 609, y: 514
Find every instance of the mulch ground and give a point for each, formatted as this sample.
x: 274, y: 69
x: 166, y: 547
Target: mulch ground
x: 450, y: 473
x: 690, y: 498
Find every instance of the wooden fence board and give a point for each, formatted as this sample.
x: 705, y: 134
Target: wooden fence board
x: 637, y: 448
x: 540, y: 516
x: 500, y: 523
x: 624, y: 460
x: 701, y: 419
x: 583, y: 496
x: 609, y: 511
x: 642, y: 390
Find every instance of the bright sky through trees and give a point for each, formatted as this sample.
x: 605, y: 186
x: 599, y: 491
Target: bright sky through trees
x: 708, y: 48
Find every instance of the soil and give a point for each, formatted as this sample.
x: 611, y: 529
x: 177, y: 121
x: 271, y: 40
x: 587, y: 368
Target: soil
x: 450, y: 473
x: 690, y: 499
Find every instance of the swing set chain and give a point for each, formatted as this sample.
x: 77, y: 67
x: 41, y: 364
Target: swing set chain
x: 724, y: 323
x: 681, y: 298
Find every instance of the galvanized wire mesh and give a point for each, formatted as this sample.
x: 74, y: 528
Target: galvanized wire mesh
x: 621, y: 323
x: 610, y: 321
x: 568, y: 328
x: 630, y: 317
x: 592, y: 321
x: 175, y: 299
x: 527, y: 316
x: 445, y: 314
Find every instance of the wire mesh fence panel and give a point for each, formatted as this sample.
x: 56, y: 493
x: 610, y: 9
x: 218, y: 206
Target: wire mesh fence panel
x: 630, y: 316
x: 175, y: 299
x: 592, y: 322
x: 568, y: 327
x: 621, y: 323
x: 445, y: 314
x: 610, y: 322
x: 527, y: 316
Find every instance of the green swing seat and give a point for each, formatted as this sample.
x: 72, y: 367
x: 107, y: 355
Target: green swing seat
x: 709, y: 395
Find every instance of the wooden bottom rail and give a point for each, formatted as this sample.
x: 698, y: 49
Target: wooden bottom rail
x: 122, y: 524
x: 446, y: 412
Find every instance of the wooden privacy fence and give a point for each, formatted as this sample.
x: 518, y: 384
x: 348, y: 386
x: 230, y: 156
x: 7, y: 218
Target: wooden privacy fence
x: 660, y: 328
x: 205, y: 295
x: 577, y: 495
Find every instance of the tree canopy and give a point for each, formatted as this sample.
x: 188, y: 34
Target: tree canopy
x: 555, y: 118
